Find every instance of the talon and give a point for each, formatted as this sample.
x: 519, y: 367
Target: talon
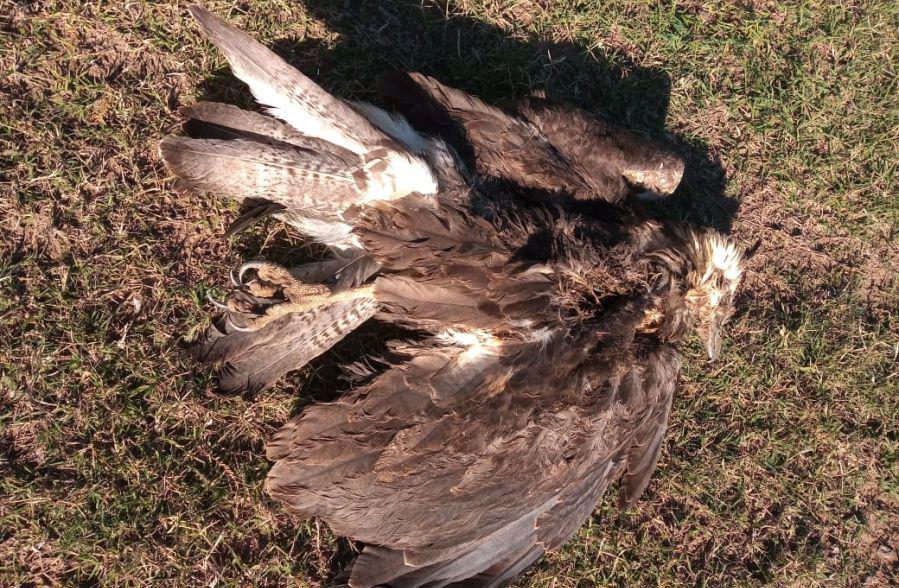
x: 314, y: 296
x: 216, y: 303
x: 234, y: 281
x: 250, y: 265
x: 271, y: 273
x: 230, y: 323
x: 261, y: 321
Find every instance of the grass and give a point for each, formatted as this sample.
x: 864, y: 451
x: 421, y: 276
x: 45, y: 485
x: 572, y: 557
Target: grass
x: 121, y: 465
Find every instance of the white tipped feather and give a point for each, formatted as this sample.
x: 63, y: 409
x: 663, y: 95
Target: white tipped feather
x: 717, y: 255
x: 467, y: 338
x: 408, y: 173
x: 726, y: 258
x: 479, y: 344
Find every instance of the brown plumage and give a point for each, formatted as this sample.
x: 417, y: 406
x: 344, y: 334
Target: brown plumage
x: 546, y: 360
x: 593, y: 144
x: 326, y: 159
x: 553, y: 147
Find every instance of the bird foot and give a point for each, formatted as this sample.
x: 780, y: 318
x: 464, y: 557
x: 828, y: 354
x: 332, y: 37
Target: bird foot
x: 289, y: 294
x: 272, y: 280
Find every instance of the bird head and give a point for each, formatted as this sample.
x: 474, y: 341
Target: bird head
x: 697, y: 273
x: 715, y: 270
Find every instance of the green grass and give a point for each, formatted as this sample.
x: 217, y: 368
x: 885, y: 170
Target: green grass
x: 121, y: 465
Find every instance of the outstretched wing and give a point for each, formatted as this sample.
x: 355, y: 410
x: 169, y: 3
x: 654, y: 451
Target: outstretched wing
x: 489, y: 140
x: 537, y: 144
x: 470, y: 456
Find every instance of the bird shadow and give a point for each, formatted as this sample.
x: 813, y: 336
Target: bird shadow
x: 373, y: 38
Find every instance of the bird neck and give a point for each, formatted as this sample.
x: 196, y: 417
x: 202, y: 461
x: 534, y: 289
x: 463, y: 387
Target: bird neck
x: 671, y: 272
x: 667, y: 317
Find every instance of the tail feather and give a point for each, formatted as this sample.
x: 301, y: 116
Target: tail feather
x: 321, y: 184
x: 289, y: 94
x: 255, y: 211
x: 252, y: 360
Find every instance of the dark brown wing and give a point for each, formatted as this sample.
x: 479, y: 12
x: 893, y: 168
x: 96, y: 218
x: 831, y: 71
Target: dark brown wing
x: 445, y: 266
x: 659, y: 384
x: 437, y: 459
x: 464, y: 462
x: 603, y: 151
x: 489, y: 140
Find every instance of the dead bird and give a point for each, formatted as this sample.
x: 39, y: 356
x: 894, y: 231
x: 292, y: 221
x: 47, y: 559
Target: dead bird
x: 547, y: 358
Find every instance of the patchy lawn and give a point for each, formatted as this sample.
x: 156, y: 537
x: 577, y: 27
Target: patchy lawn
x: 121, y: 465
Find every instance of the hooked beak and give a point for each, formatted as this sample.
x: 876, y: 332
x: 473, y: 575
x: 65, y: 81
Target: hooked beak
x: 713, y: 343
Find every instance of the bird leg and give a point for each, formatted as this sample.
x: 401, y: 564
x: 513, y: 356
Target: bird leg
x: 272, y: 278
x: 298, y: 296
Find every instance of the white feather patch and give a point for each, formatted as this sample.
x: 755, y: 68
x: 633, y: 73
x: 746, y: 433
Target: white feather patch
x: 407, y: 172
x: 726, y: 258
x: 477, y: 343
x: 336, y: 235
x: 720, y: 255
x: 394, y: 125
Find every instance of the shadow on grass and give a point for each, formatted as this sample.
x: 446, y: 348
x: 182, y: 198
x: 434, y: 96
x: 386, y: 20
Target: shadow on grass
x: 485, y: 60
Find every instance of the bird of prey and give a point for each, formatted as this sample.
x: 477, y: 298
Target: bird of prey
x: 544, y: 358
